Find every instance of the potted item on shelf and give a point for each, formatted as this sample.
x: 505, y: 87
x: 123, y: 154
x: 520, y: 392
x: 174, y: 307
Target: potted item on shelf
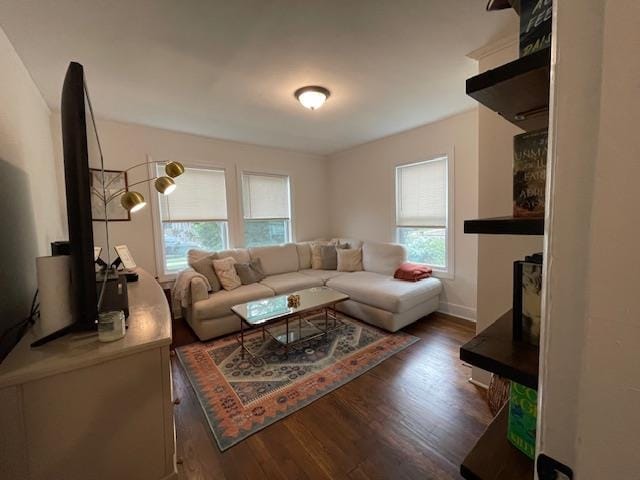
x: 523, y: 412
x: 535, y: 25
x: 527, y: 300
x: 529, y: 173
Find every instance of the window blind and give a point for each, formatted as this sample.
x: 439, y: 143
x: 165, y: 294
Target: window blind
x: 422, y: 194
x: 265, y: 196
x: 200, y: 195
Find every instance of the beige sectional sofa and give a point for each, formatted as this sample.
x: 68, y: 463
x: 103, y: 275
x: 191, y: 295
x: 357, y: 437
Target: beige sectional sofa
x: 375, y: 296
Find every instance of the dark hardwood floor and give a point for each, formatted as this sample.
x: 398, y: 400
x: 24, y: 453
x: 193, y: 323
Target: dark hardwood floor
x: 413, y: 416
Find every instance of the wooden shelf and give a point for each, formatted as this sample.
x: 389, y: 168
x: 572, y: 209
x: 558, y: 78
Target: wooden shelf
x: 505, y: 226
x: 495, y: 350
x: 494, y: 458
x: 519, y: 90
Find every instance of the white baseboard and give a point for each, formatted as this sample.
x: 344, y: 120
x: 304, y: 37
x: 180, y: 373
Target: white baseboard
x: 478, y: 384
x: 458, y: 311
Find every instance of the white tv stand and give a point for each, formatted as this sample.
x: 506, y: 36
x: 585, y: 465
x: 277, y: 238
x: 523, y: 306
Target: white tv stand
x: 76, y: 408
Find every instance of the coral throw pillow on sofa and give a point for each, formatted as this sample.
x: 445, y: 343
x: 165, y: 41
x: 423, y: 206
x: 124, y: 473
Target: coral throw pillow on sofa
x: 412, y: 272
x: 226, y: 271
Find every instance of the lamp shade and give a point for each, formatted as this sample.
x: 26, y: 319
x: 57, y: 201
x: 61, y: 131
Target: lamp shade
x: 174, y: 169
x: 165, y: 185
x: 132, y: 201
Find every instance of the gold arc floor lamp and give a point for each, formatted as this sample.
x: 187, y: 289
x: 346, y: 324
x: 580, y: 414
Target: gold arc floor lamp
x: 133, y: 201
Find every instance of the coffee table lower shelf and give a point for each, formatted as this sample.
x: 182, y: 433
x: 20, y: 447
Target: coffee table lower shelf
x: 292, y: 335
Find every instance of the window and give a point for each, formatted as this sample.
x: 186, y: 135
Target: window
x: 422, y: 212
x: 266, y: 207
x: 193, y: 216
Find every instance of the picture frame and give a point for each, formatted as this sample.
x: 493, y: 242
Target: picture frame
x: 125, y: 257
x: 117, y: 181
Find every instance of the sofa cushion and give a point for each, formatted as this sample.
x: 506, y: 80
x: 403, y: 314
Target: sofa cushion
x: 304, y: 255
x: 382, y: 258
x: 352, y: 242
x: 276, y: 258
x: 251, y: 272
x: 323, y: 275
x: 240, y: 254
x: 226, y: 272
x: 204, y: 266
x: 195, y: 254
x: 328, y: 257
x: 290, y: 282
x: 349, y: 260
x: 219, y: 304
x: 316, y: 253
x: 384, y: 291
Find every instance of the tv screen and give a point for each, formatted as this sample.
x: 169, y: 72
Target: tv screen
x: 82, y: 160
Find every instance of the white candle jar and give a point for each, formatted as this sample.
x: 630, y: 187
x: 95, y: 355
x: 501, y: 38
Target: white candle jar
x: 111, y: 326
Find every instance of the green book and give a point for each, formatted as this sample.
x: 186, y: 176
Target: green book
x: 523, y: 412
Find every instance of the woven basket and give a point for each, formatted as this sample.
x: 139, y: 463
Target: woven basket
x: 498, y: 393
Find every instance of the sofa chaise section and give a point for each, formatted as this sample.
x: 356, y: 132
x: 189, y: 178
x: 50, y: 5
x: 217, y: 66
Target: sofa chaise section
x: 378, y: 298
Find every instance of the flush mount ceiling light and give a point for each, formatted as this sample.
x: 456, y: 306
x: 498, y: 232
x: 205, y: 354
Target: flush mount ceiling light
x: 312, y: 97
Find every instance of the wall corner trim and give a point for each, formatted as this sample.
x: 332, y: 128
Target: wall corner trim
x: 461, y: 311
x: 493, y: 47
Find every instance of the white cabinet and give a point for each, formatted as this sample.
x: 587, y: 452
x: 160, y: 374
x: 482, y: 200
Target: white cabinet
x: 76, y: 408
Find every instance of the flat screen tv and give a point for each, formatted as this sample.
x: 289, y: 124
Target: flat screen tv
x: 82, y: 152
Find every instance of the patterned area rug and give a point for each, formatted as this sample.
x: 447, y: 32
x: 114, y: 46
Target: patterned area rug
x: 241, y: 396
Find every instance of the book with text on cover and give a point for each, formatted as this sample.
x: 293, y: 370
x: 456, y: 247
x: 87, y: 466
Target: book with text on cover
x: 529, y: 173
x: 535, y: 25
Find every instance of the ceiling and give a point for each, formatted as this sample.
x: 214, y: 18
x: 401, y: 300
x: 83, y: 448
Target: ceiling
x: 228, y: 69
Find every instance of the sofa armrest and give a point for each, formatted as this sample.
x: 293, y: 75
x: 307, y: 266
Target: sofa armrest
x: 199, y: 290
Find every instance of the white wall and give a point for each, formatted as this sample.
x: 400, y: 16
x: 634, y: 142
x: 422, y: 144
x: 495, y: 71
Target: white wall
x: 25, y: 143
x: 362, y: 194
x: 126, y: 144
x: 590, y: 381
x: 32, y: 214
x: 496, y: 253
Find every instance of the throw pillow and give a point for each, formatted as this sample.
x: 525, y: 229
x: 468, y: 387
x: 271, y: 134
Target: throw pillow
x: 251, y: 272
x: 316, y: 255
x: 204, y: 266
x: 349, y: 260
x: 329, y: 257
x: 193, y: 255
x: 339, y: 244
x: 225, y: 269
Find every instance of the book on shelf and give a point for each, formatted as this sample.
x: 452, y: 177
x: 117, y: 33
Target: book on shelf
x: 527, y: 301
x: 523, y: 413
x: 535, y: 25
x: 529, y: 173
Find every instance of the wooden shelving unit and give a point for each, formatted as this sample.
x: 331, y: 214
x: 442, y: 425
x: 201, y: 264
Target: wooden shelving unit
x: 505, y: 226
x: 519, y: 90
x: 494, y: 458
x: 495, y: 350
